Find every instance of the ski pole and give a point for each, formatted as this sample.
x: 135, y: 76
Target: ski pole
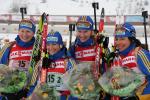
x: 23, y: 11
x: 145, y: 15
x: 71, y: 29
x: 95, y: 5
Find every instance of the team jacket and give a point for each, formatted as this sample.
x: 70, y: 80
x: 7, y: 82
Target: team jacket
x: 60, y: 63
x: 85, y: 54
x: 12, y: 48
x: 139, y: 61
x: 143, y: 61
x: 54, y: 74
x: 128, y: 61
x: 20, y: 57
x: 83, y: 51
x: 17, y: 54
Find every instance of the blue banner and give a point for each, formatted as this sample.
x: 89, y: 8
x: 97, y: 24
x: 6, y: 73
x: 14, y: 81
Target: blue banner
x: 134, y: 19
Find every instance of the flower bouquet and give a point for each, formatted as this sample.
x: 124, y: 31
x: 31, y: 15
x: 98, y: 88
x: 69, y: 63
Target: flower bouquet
x: 121, y: 81
x: 11, y: 80
x: 80, y: 82
x: 44, y: 92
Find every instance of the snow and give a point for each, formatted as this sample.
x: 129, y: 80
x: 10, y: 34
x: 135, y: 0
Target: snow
x: 76, y: 7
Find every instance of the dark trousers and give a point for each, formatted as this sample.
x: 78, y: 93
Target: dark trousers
x: 15, y: 96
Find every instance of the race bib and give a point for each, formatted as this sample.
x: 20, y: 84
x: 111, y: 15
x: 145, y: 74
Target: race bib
x: 54, y: 79
x: 19, y: 64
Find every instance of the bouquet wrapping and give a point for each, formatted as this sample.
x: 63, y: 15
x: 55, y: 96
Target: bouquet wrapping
x: 11, y: 80
x: 80, y: 81
x: 121, y: 81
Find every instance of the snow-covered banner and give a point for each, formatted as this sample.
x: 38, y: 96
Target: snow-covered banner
x: 61, y: 18
x: 110, y: 19
x: 35, y: 17
x: 5, y: 17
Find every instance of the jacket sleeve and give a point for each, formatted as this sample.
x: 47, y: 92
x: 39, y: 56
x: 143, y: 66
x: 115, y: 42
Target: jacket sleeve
x: 5, y: 56
x: 143, y: 61
x: 70, y: 64
x: 71, y: 51
x: 31, y: 89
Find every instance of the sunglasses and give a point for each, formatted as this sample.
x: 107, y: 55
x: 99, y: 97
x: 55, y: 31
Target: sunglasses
x: 82, y: 24
x: 26, y: 24
x: 120, y: 30
x: 55, y: 39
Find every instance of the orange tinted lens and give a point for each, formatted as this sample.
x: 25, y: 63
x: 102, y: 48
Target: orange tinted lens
x: 83, y: 24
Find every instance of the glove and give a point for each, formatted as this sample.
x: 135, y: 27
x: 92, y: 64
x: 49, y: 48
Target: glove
x: 22, y: 93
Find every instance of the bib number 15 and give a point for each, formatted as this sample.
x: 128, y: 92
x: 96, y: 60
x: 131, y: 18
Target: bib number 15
x: 54, y: 79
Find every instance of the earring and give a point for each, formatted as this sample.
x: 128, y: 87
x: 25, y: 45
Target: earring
x: 61, y: 46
